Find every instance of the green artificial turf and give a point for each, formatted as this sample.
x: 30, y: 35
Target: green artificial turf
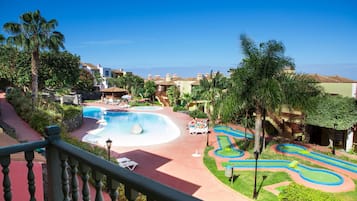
x: 226, y: 148
x: 244, y: 180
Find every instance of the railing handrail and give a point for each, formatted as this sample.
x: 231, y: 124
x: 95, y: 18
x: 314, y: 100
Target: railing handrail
x: 142, y: 184
x: 22, y: 147
x: 57, y: 150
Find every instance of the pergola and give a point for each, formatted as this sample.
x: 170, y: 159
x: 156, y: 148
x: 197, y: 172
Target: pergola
x: 113, y: 92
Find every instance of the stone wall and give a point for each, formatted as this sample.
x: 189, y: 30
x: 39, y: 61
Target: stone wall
x: 74, y: 123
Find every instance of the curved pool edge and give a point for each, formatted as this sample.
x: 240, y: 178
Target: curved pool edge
x: 176, y: 131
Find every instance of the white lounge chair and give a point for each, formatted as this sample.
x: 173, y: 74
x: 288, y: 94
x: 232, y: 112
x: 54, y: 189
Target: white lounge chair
x: 127, y: 163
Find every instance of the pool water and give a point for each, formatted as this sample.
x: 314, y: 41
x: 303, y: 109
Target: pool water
x: 117, y: 125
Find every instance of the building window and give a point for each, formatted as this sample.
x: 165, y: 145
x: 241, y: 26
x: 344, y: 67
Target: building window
x: 106, y: 73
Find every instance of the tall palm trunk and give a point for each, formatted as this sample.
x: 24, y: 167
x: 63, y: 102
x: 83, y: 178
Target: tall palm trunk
x: 258, y: 130
x: 35, y: 61
x: 246, y: 124
x: 263, y: 127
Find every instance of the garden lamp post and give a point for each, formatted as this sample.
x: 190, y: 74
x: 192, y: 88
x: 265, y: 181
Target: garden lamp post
x: 256, y: 156
x: 109, y: 145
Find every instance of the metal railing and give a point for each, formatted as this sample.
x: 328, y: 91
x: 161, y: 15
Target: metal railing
x: 66, y: 163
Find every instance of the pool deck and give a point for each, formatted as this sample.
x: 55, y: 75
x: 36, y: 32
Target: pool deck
x: 172, y: 163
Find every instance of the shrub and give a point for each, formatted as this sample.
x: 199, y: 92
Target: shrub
x: 197, y: 114
x: 71, y: 111
x: 178, y: 108
x: 296, y: 192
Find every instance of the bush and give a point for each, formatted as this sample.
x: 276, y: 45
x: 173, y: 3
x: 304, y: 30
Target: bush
x: 178, y: 108
x: 296, y: 192
x: 71, y: 111
x: 197, y: 114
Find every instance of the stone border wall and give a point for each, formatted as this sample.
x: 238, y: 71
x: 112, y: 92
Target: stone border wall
x: 74, y: 123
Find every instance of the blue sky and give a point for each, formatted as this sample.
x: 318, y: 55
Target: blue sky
x: 186, y: 37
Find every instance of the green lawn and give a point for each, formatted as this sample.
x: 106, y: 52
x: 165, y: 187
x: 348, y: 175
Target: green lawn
x: 226, y: 148
x: 244, y: 183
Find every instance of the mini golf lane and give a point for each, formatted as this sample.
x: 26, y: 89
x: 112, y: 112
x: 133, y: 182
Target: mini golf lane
x: 226, y: 148
x: 232, y: 132
x: 313, y: 175
x: 303, y: 152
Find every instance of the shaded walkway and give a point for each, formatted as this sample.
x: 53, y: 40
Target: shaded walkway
x: 18, y: 169
x: 23, y: 131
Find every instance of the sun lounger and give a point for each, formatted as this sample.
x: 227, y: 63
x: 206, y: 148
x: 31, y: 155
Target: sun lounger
x: 123, y: 159
x: 199, y: 126
x: 130, y: 165
x: 127, y: 163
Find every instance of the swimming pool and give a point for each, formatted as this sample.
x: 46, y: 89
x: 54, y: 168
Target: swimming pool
x: 117, y: 125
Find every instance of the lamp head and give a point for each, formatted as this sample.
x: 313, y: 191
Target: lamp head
x: 256, y: 154
x: 109, y: 143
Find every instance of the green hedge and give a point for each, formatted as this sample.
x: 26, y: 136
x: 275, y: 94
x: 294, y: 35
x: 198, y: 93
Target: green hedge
x: 178, y: 108
x: 197, y: 114
x: 296, y: 192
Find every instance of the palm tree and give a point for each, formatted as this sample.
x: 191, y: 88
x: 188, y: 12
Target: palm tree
x: 34, y: 34
x: 2, y: 38
x: 212, y: 88
x: 262, y: 83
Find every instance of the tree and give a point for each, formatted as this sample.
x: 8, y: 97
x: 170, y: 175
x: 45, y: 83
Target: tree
x: 85, y: 81
x: 149, y: 89
x: 333, y: 109
x: 263, y: 83
x: 2, y: 39
x: 34, y: 34
x: 130, y: 82
x: 212, y: 88
x: 15, y: 66
x: 58, y: 70
x: 173, y: 94
x: 334, y: 112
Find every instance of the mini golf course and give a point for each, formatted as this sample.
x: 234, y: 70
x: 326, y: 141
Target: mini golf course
x: 313, y: 175
x: 302, y: 151
x: 226, y: 148
x: 232, y: 132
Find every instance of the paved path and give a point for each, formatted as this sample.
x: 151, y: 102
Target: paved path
x: 23, y: 130
x: 24, y: 133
